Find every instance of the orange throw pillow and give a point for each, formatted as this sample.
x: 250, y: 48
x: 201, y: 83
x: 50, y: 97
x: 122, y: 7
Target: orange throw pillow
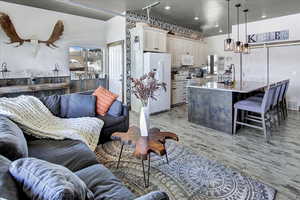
x: 104, y: 99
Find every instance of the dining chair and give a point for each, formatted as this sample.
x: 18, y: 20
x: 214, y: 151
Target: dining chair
x: 282, y: 99
x: 260, y: 108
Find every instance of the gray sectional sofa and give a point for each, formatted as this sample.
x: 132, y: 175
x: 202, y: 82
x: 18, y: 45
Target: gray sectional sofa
x: 64, y: 106
x: 71, y: 154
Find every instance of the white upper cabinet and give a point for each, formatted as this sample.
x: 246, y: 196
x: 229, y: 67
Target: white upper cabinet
x: 151, y: 39
x: 178, y: 46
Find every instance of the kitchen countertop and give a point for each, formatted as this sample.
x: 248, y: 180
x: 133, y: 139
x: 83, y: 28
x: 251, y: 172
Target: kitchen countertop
x: 246, y: 87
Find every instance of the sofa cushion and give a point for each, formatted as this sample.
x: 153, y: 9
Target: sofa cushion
x: 8, y: 187
x: 78, y: 105
x: 42, y: 180
x: 52, y: 103
x: 12, y: 141
x: 104, y: 100
x: 72, y: 154
x: 104, y: 184
x: 110, y: 121
x: 116, y: 109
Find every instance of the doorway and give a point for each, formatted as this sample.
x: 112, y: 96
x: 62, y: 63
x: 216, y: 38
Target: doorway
x: 116, y: 68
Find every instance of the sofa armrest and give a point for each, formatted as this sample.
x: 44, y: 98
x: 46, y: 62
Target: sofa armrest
x: 89, y: 92
x: 156, y: 195
x: 125, y: 111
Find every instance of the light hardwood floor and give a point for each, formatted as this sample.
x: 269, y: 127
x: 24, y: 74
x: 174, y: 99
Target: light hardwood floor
x: 276, y: 164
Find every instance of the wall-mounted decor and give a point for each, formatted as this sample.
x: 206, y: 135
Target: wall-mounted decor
x: 268, y: 37
x: 11, y: 32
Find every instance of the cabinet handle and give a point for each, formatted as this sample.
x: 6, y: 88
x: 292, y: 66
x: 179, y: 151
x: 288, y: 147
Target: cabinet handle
x: 156, y: 48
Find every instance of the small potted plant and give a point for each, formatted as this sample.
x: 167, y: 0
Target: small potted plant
x: 144, y: 89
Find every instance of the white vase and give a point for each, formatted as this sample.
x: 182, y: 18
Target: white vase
x: 144, y: 121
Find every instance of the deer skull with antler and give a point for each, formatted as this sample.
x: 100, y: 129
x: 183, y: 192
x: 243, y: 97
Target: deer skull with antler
x: 11, y: 32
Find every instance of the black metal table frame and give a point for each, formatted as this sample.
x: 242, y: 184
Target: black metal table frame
x: 146, y: 181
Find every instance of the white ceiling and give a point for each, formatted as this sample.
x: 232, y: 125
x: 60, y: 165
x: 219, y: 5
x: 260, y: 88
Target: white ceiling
x: 210, y: 12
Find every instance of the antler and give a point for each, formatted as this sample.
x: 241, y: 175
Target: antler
x: 56, y: 34
x: 10, y: 30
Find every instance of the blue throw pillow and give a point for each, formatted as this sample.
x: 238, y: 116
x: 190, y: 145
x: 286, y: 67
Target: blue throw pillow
x: 116, y: 109
x: 78, y: 105
x: 41, y: 180
x: 13, y: 144
x: 52, y: 103
x: 8, y: 187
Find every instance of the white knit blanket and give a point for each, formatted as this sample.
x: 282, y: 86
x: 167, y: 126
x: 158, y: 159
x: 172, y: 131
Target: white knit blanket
x: 35, y: 119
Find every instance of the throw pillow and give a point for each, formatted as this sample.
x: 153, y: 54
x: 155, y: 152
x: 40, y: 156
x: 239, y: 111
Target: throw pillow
x: 42, y: 180
x: 81, y: 106
x: 116, y: 109
x: 12, y: 141
x: 52, y: 103
x: 8, y: 187
x: 77, y: 105
x: 104, y: 100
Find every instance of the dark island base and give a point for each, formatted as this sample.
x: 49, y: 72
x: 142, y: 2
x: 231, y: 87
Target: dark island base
x: 212, y: 108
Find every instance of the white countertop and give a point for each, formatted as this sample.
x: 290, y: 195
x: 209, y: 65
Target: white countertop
x: 246, y: 87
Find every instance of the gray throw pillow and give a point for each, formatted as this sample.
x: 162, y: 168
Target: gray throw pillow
x: 41, y: 180
x: 8, y: 187
x: 78, y: 105
x: 116, y: 109
x: 12, y: 141
x: 52, y: 103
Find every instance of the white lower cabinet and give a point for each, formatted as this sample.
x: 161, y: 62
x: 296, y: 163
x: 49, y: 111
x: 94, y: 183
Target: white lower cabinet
x: 179, y: 92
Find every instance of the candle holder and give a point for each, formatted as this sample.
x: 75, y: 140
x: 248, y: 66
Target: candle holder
x: 56, y: 73
x: 4, y: 72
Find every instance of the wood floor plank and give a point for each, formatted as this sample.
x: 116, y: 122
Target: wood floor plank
x: 276, y: 164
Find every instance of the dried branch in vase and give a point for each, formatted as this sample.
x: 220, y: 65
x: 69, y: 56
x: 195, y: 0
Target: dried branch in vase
x: 144, y: 88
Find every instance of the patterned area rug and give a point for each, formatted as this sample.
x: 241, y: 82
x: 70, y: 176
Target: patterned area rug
x: 187, y: 176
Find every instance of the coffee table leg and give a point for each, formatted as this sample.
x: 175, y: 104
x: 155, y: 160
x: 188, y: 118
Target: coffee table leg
x: 146, y: 180
x: 144, y: 173
x: 166, y: 154
x: 120, y: 156
x: 149, y: 169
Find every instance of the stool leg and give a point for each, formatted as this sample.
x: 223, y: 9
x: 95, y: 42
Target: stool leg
x: 120, y: 156
x: 278, y: 114
x: 235, y: 119
x: 263, y: 117
x: 285, y: 107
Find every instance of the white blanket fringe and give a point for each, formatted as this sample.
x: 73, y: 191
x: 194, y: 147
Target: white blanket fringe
x: 35, y: 119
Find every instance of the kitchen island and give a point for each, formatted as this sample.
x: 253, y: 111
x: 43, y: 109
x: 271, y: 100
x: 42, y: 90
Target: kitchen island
x: 211, y: 104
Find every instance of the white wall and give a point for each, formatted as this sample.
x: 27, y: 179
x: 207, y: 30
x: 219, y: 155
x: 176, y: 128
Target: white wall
x: 115, y: 29
x: 284, y: 61
x: 37, y: 23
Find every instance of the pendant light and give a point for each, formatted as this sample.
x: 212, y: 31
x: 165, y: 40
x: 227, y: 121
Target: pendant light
x: 238, y: 44
x: 228, y: 43
x: 246, y: 49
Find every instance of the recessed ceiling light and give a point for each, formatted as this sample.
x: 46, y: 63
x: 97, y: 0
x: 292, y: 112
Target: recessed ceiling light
x: 167, y: 7
x: 196, y: 18
x: 217, y: 25
x: 220, y: 31
x: 263, y: 16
